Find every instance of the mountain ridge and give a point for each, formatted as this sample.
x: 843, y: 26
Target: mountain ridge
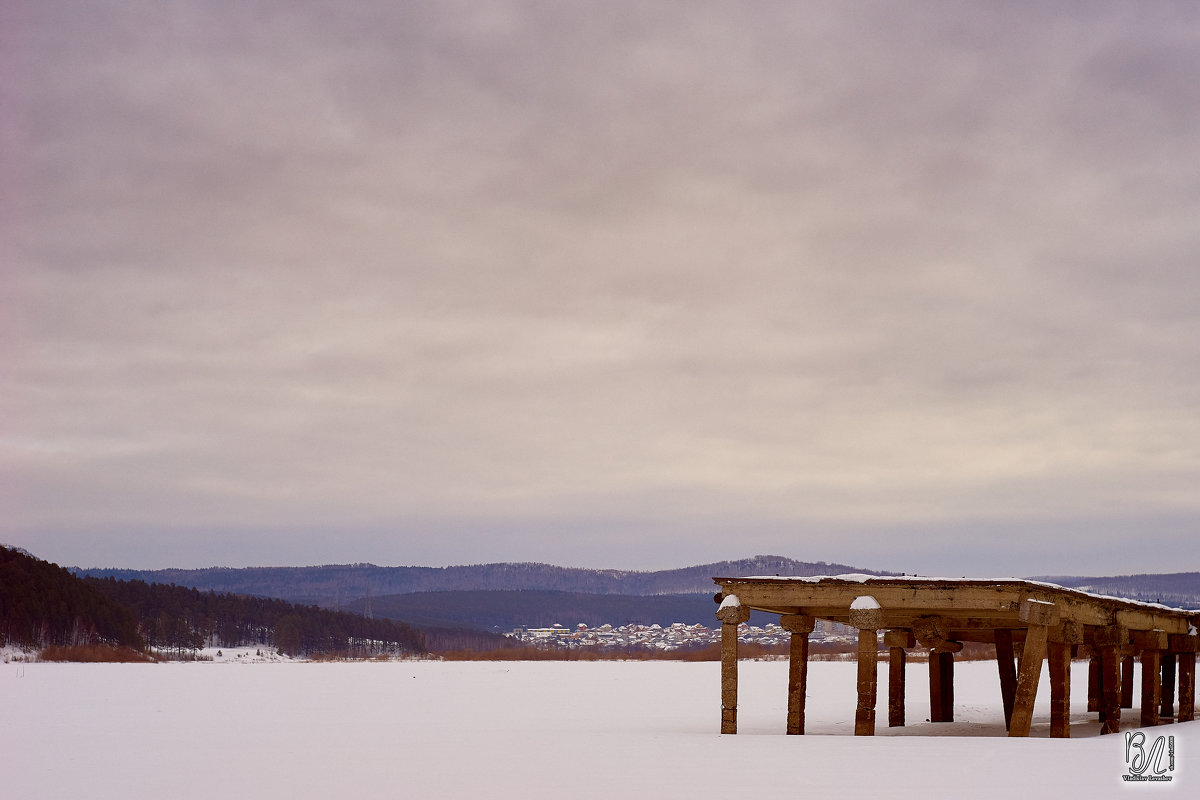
x: 341, y: 585
x: 1178, y: 589
x: 335, y: 585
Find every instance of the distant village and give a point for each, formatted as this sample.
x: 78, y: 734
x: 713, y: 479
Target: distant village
x: 672, y: 637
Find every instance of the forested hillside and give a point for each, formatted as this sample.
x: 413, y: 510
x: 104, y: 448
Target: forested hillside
x: 1178, y: 589
x: 42, y: 604
x: 179, y: 619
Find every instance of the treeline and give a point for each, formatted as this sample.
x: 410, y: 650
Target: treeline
x: 443, y: 640
x: 43, y: 605
x: 1178, y: 589
x: 176, y: 618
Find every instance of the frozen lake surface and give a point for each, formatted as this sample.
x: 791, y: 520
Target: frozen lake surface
x: 531, y: 729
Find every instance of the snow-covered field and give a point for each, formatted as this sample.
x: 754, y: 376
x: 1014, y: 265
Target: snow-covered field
x: 550, y: 729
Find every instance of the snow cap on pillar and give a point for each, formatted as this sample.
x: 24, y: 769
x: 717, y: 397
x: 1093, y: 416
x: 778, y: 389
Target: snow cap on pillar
x: 865, y: 613
x: 732, y: 611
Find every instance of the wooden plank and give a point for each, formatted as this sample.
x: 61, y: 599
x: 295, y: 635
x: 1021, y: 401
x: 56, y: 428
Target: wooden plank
x: 1147, y: 619
x: 1149, y: 640
x: 984, y: 620
x: 971, y: 628
x: 868, y: 655
x: 1038, y: 612
x: 808, y: 596
x: 1183, y: 644
x: 1027, y: 680
x: 1008, y: 673
x: 986, y: 635
x: 1059, y: 657
x: 1067, y: 632
x: 896, y: 664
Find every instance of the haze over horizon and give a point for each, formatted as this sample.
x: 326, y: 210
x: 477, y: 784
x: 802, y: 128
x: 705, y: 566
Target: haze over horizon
x: 618, y: 285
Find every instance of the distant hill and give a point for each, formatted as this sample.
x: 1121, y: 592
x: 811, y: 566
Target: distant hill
x: 505, y: 610
x: 454, y: 604
x: 1178, y: 589
x: 338, y: 586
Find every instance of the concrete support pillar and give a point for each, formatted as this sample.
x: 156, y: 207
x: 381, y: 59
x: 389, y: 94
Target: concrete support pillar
x: 1126, y: 679
x: 1186, y: 646
x: 1039, y: 616
x: 1166, y: 710
x: 1187, y: 687
x: 731, y: 613
x: 800, y: 626
x: 1093, y: 703
x: 867, y: 616
x: 1110, y: 640
x: 896, y: 642
x: 932, y: 632
x: 1151, y: 686
x: 1058, y: 656
x: 1152, y: 644
x: 941, y: 686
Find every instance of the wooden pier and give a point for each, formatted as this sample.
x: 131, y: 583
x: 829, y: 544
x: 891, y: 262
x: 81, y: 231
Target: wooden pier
x: 1041, y: 621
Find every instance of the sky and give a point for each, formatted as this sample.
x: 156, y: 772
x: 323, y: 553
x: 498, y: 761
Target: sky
x: 906, y: 286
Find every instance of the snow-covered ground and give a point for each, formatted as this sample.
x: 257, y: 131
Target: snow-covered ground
x: 529, y: 729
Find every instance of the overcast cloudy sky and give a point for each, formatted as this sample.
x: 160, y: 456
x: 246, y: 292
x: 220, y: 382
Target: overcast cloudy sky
x: 911, y: 286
